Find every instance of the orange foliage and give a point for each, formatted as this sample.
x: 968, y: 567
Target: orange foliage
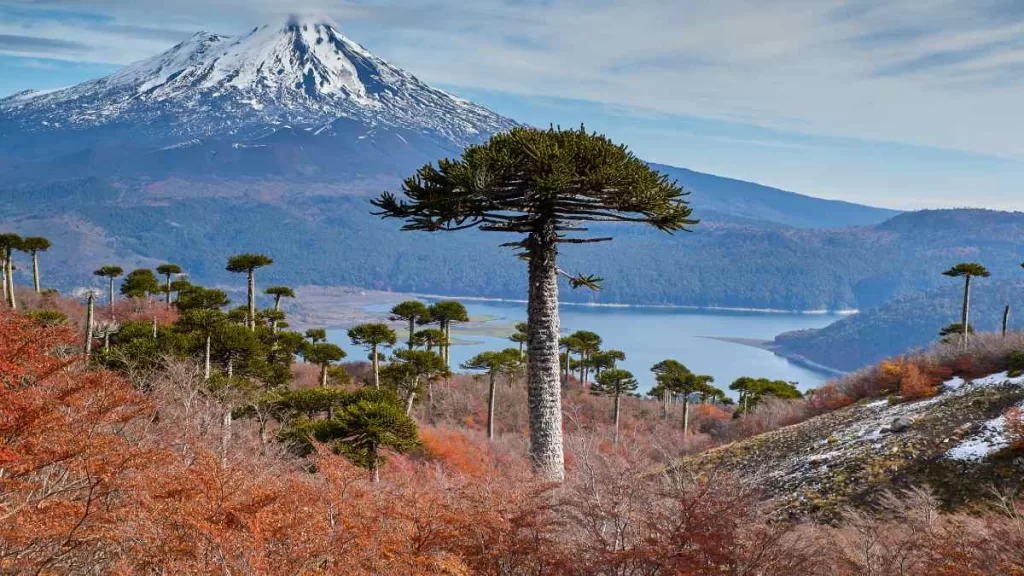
x: 914, y: 385
x: 1015, y: 427
x: 93, y: 482
x: 455, y: 450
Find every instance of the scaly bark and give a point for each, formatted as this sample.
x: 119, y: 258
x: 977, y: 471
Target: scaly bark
x: 110, y: 292
x: 376, y: 368
x: 543, y: 390
x: 965, y: 317
x: 88, y: 325
x: 252, y: 299
x: 617, y: 397
x: 11, y: 300
x: 35, y: 271
x: 206, y: 368
x: 225, y: 437
x: 490, y: 409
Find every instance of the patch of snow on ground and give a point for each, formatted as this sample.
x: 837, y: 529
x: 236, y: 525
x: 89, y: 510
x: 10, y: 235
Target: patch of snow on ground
x: 878, y: 403
x: 990, y: 439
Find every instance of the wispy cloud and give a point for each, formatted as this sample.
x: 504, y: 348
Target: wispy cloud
x: 935, y: 73
x: 32, y: 44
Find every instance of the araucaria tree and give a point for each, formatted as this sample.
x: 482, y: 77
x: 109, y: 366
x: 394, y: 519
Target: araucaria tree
x: 615, y: 383
x: 542, y: 184
x: 168, y: 270
x: 372, y: 337
x: 34, y: 245
x: 445, y: 313
x: 323, y: 354
x: 278, y: 292
x: 247, y: 264
x: 110, y: 272
x: 411, y: 312
x: 493, y: 364
x: 966, y: 270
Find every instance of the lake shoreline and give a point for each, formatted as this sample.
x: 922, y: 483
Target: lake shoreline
x: 771, y: 346
x: 822, y: 311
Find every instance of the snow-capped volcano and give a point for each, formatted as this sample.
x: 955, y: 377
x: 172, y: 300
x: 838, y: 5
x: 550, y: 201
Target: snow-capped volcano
x: 302, y: 74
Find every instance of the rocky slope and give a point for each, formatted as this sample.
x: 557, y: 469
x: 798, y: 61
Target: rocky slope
x: 954, y: 443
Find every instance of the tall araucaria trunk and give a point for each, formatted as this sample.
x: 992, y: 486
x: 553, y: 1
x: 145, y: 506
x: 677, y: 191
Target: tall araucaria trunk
x: 412, y: 330
x: 90, y: 305
x: 686, y: 414
x: 323, y: 376
x: 376, y: 368
x: 617, y: 397
x: 225, y: 436
x: 409, y: 401
x: 1006, y: 319
x: 168, y: 290
x: 35, y: 271
x: 252, y: 299
x: 490, y: 409
x: 206, y: 368
x: 544, y: 393
x: 111, y: 295
x: 11, y: 300
x: 374, y: 464
x: 277, y: 308
x: 965, y: 317
x: 3, y: 274
x: 664, y: 406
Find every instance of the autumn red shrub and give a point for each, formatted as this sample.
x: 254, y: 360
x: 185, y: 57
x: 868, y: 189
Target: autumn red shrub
x: 1014, y: 418
x: 914, y: 385
x: 98, y: 478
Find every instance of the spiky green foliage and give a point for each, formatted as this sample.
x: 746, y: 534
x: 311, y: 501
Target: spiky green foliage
x: 199, y: 298
x: 369, y: 423
x: 168, y: 270
x: 408, y: 371
x: 373, y: 337
x: 34, y: 244
x: 967, y: 269
x: 614, y: 382
x: 315, y: 335
x: 140, y: 283
x: 445, y: 313
x: 246, y: 263
x: 430, y: 338
x: 605, y: 359
x: 109, y: 271
x: 411, y: 312
x: 524, y: 179
x: 521, y: 335
x: 323, y: 354
x: 753, y: 390
x: 48, y: 317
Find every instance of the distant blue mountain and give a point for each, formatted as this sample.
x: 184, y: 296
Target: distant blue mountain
x: 739, y: 199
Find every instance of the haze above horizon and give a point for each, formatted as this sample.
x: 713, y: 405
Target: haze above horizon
x: 906, y: 106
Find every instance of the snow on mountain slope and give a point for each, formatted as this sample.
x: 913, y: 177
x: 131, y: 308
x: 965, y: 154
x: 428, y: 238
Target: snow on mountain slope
x: 304, y: 73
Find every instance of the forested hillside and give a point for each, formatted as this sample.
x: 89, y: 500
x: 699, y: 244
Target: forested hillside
x: 334, y: 240
x: 906, y: 323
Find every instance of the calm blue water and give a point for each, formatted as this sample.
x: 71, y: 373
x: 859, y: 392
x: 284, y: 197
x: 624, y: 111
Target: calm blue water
x: 649, y: 335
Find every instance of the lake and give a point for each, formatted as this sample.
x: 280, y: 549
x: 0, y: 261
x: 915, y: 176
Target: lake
x: 647, y: 336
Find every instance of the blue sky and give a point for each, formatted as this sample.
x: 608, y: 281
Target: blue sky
x: 905, y: 104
